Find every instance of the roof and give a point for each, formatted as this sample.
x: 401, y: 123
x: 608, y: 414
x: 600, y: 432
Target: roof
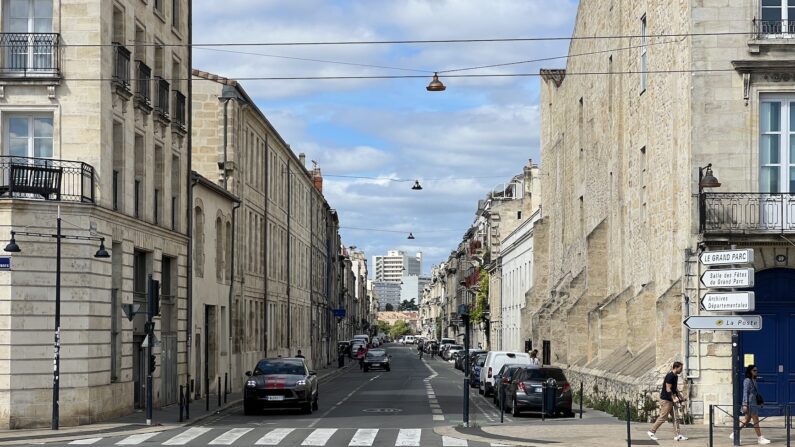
x: 214, y: 77
x: 207, y: 183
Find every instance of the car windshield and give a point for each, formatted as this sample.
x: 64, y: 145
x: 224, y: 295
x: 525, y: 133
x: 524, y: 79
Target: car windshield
x: 291, y: 367
x: 455, y: 347
x: 544, y: 374
x: 376, y: 353
x: 481, y: 358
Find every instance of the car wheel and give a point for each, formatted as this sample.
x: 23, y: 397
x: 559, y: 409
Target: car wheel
x: 388, y: 369
x: 514, y: 408
x: 365, y: 369
x: 248, y: 409
x: 307, y: 408
x: 480, y: 390
x: 315, y: 404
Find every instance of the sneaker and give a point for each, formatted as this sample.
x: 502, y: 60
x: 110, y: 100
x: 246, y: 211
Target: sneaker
x: 680, y: 438
x: 652, y: 435
x: 731, y: 436
x: 762, y: 441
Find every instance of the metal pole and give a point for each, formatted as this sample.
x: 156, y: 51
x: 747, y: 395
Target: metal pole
x: 56, y: 372
x: 206, y: 360
x: 711, y: 423
x: 466, y: 375
x: 187, y: 401
x: 219, y: 391
x: 629, y: 435
x: 582, y: 397
x: 181, y: 402
x: 226, y: 385
x: 736, y: 402
x: 502, y: 404
x: 150, y: 334
x: 788, y: 410
x: 543, y: 401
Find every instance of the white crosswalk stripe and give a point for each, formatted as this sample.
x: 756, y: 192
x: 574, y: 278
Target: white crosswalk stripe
x: 85, y: 441
x: 275, y: 436
x: 449, y: 441
x: 231, y: 436
x: 364, y: 437
x: 319, y: 437
x: 408, y: 437
x: 187, y: 436
x: 136, y: 439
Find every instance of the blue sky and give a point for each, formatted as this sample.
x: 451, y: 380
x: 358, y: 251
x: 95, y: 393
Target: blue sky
x: 478, y: 127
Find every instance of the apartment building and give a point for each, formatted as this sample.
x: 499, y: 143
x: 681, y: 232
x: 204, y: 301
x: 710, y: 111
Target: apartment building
x: 627, y: 212
x: 93, y: 120
x: 396, y: 264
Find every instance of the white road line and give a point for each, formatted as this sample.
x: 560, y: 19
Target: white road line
x: 438, y: 417
x: 231, y: 436
x: 274, y: 437
x: 364, y: 437
x: 449, y: 441
x: 408, y: 437
x: 324, y: 415
x: 187, y: 436
x: 85, y: 441
x: 319, y: 437
x: 436, y: 411
x: 136, y: 439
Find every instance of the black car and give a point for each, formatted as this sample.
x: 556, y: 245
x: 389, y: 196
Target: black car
x: 460, y: 358
x: 376, y: 359
x: 280, y: 383
x: 502, y: 380
x: 524, y: 393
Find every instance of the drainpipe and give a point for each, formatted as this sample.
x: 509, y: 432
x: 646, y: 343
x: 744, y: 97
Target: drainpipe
x: 265, y: 247
x: 288, y: 258
x: 231, y: 281
x: 189, y: 210
x: 226, y: 137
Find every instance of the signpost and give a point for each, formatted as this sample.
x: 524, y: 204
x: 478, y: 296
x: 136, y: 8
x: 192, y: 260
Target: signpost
x: 724, y: 322
x: 728, y: 278
x: 727, y: 257
x: 729, y: 301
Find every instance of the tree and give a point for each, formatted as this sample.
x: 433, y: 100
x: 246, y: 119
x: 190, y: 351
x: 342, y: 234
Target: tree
x: 478, y: 314
x: 383, y: 327
x: 399, y: 329
x: 408, y: 305
x: 389, y: 307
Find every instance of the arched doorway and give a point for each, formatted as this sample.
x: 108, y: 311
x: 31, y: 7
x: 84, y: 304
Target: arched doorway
x: 771, y: 349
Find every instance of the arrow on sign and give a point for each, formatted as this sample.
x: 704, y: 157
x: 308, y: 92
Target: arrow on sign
x: 727, y: 257
x: 729, y: 301
x: 728, y: 278
x: 724, y: 323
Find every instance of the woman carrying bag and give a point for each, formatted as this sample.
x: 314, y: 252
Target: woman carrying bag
x: 752, y: 402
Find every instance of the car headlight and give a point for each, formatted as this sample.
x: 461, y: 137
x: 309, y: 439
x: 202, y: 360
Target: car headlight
x: 251, y: 383
x: 301, y: 382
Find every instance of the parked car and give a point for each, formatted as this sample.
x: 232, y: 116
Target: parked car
x: 460, y: 358
x: 355, y: 344
x: 493, y: 363
x: 451, y: 349
x: 524, y: 393
x: 376, y: 359
x: 474, y: 376
x: 446, y: 341
x: 408, y: 340
x: 280, y: 383
x: 502, y: 380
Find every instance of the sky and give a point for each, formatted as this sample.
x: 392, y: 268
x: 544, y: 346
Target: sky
x: 460, y: 143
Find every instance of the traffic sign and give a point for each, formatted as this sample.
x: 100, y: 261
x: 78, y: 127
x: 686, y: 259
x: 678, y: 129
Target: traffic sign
x: 5, y: 263
x: 729, y: 301
x: 724, y: 322
x: 727, y: 257
x: 728, y: 278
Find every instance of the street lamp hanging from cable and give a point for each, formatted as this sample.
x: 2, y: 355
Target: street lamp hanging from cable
x: 417, y: 186
x: 411, y: 236
x: 436, y: 85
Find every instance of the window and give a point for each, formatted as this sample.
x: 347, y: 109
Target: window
x: 138, y: 183
x: 644, y: 62
x: 777, y: 144
x: 159, y: 6
x: 778, y: 17
x: 118, y: 165
x: 158, y: 194
x: 115, y: 322
x: 25, y: 50
x: 175, y: 15
x: 29, y: 135
x: 198, y: 246
x: 175, y: 187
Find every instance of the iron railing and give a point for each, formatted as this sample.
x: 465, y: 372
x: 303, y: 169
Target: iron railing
x: 747, y: 212
x: 161, y: 96
x: 29, y: 55
x: 143, y: 76
x: 179, y: 109
x: 46, y: 178
x: 767, y: 29
x: 121, y: 65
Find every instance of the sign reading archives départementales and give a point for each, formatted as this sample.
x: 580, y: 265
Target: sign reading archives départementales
x: 729, y: 301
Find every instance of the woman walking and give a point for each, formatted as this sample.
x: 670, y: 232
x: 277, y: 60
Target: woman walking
x: 752, y: 402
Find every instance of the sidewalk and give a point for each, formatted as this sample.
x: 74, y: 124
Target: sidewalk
x: 165, y: 418
x: 600, y: 429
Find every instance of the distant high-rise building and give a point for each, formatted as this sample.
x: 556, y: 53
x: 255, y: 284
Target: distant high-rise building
x: 386, y: 293
x: 395, y: 265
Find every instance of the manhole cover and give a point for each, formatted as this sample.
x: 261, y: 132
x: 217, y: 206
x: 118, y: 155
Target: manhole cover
x: 382, y: 410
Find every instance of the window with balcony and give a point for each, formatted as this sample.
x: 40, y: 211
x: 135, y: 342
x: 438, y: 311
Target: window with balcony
x: 29, y: 45
x: 778, y: 18
x: 29, y: 135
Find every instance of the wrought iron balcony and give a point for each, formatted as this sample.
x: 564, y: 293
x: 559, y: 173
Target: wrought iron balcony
x: 771, y: 29
x: 161, y: 97
x: 179, y: 110
x: 46, y: 178
x: 29, y: 55
x: 143, y: 82
x: 121, y: 66
x: 747, y: 213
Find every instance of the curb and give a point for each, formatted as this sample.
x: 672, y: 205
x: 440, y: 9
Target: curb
x: 450, y: 430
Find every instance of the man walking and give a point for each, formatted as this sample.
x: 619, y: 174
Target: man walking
x: 669, y: 396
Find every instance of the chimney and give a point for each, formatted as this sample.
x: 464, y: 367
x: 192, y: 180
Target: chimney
x: 317, y: 179
x: 302, y: 157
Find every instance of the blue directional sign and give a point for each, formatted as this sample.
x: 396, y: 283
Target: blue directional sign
x: 5, y: 263
x: 339, y: 313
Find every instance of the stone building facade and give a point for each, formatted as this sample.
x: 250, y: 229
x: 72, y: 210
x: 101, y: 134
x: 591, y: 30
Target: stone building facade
x: 71, y: 96
x: 624, y: 219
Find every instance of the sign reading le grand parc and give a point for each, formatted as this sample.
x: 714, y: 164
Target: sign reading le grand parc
x: 727, y: 257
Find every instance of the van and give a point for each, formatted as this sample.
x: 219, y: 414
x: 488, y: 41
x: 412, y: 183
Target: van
x: 446, y: 341
x: 494, y: 361
x: 409, y: 340
x: 364, y: 337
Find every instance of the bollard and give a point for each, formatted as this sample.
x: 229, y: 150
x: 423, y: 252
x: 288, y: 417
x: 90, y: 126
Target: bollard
x: 711, y: 423
x: 219, y: 391
x: 226, y: 385
x: 187, y: 402
x: 192, y: 387
x: 629, y: 436
x: 206, y: 393
x: 788, y: 417
x: 543, y: 401
x: 181, y: 402
x: 502, y: 405
x: 582, y: 397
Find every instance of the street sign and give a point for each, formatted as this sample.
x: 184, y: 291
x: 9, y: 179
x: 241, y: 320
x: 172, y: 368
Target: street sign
x: 724, y: 322
x: 339, y: 313
x: 729, y: 301
x: 727, y: 257
x: 5, y: 263
x: 728, y: 278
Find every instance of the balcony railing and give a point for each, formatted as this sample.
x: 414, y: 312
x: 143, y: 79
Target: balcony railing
x: 771, y: 29
x: 747, y: 213
x: 29, y: 55
x: 143, y: 81
x: 121, y: 65
x: 161, y: 96
x: 179, y: 109
x: 46, y: 178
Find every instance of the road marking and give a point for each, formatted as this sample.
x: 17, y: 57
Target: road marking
x: 434, y: 373
x: 231, y: 436
x: 319, y: 437
x: 364, y: 437
x: 408, y: 437
x: 136, y: 439
x: 435, y: 411
x: 187, y: 436
x: 449, y: 441
x: 324, y: 415
x: 274, y: 437
x: 438, y: 417
x: 85, y: 441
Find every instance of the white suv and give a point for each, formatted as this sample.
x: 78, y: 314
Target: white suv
x: 492, y: 365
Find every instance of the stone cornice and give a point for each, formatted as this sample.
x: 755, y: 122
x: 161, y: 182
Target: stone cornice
x: 764, y: 66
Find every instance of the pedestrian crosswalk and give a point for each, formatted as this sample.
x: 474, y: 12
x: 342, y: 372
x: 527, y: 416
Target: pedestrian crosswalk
x: 284, y: 437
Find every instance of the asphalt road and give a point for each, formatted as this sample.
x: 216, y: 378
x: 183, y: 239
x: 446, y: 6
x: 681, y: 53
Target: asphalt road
x: 378, y: 408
